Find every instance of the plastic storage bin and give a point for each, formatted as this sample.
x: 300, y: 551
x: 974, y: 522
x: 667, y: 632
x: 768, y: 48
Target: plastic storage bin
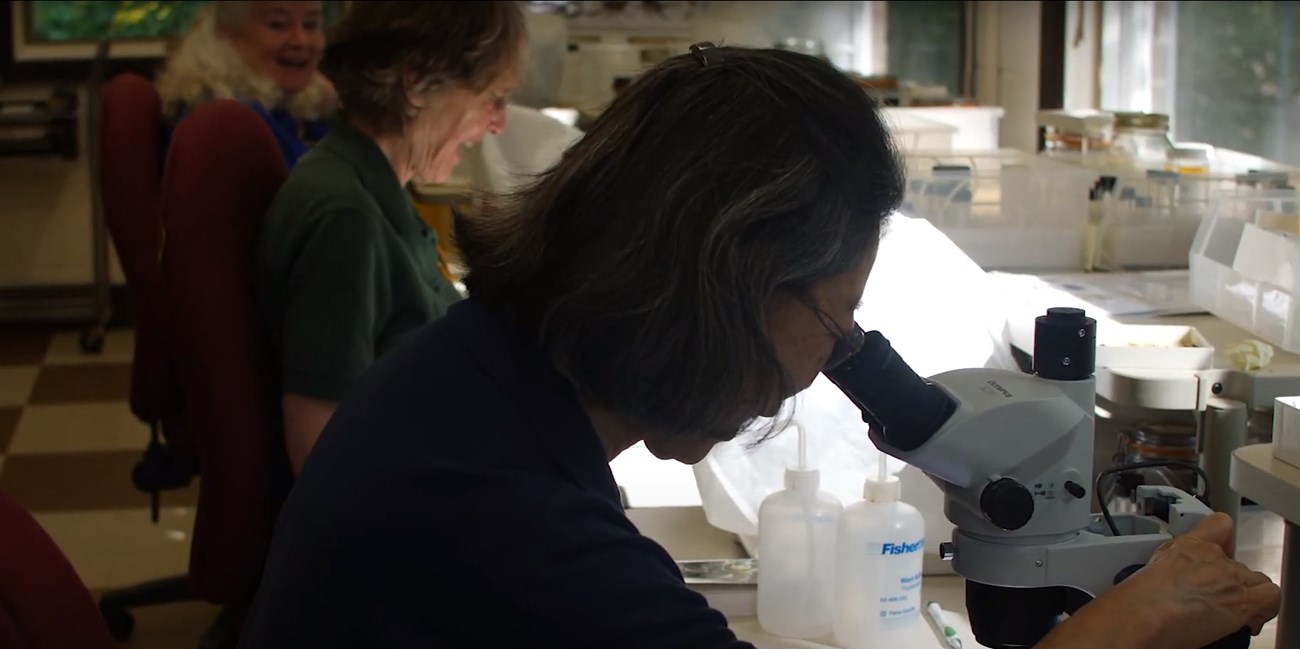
x: 1006, y: 209
x: 977, y: 127
x: 1245, y: 265
x: 1146, y: 222
x: 912, y: 132
x: 1145, y: 219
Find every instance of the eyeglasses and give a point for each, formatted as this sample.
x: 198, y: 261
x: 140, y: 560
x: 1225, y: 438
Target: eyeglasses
x: 846, y: 344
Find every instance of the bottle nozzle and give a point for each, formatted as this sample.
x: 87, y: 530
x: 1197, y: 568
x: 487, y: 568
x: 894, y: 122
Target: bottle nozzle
x: 803, y: 446
x: 801, y: 478
x: 885, y: 488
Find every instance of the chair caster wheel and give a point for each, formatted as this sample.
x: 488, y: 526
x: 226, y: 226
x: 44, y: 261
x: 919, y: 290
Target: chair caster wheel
x: 92, y: 340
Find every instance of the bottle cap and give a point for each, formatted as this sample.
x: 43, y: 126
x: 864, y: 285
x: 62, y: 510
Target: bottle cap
x: 802, y: 480
x: 888, y: 490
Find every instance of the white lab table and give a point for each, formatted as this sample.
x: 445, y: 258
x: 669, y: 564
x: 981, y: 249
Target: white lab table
x: 1274, y: 484
x: 685, y: 533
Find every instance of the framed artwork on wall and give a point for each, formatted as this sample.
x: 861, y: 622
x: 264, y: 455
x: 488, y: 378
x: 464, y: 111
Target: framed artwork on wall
x: 58, y: 35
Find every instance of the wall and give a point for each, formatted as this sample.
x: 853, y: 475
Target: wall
x: 1007, y: 66
x: 1083, y: 55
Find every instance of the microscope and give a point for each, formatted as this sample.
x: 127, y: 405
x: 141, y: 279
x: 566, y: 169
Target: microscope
x: 1012, y: 453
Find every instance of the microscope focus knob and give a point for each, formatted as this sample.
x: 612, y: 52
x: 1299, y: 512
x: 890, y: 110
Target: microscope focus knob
x: 1007, y: 503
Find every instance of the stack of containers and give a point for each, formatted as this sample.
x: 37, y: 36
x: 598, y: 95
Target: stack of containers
x: 1006, y: 209
x: 1151, y: 193
x: 1245, y: 264
x: 1147, y: 220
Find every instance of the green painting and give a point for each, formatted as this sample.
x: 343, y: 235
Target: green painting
x: 92, y: 20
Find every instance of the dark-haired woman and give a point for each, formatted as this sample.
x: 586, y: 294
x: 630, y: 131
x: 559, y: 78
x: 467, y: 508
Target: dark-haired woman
x: 692, y: 262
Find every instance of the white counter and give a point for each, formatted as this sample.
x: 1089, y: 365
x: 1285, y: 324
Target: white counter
x: 685, y: 533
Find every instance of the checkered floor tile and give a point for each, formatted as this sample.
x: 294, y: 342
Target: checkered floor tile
x: 68, y: 443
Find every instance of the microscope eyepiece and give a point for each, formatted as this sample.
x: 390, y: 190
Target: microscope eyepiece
x: 1065, y: 345
x: 906, y: 408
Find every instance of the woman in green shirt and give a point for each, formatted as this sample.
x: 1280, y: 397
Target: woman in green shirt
x: 346, y: 267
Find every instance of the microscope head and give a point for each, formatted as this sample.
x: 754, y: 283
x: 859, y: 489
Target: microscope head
x: 1012, y: 453
x: 1007, y: 448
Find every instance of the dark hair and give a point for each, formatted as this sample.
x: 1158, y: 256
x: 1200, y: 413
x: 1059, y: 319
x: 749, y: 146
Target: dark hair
x: 644, y: 260
x: 378, y: 44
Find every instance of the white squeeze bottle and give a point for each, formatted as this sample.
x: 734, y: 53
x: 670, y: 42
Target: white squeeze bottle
x: 879, y: 548
x: 796, y: 554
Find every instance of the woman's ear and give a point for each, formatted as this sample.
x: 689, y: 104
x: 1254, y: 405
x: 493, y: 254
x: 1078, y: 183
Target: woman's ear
x: 417, y: 91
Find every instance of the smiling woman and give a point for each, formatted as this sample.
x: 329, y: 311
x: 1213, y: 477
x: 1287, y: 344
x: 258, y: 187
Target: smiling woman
x: 346, y: 268
x: 262, y: 53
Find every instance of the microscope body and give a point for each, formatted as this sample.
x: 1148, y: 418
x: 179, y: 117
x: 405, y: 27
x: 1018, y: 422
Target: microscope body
x: 1014, y: 463
x: 1012, y: 453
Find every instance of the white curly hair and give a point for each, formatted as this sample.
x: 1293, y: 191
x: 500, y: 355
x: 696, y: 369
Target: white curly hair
x: 207, y: 66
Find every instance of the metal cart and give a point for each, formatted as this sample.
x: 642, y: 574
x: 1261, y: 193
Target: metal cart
x: 56, y: 122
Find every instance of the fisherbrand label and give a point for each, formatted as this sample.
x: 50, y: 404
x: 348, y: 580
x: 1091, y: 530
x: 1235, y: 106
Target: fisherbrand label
x: 902, y: 548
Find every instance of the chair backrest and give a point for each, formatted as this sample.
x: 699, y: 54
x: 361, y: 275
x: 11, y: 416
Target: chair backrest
x: 130, y: 172
x: 126, y: 151
x: 223, y: 168
x: 43, y: 603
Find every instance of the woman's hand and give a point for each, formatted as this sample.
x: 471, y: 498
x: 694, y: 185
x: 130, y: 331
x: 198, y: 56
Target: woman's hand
x: 1200, y: 592
x: 1189, y: 595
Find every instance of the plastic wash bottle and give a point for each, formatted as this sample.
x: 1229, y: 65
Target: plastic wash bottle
x: 796, y: 553
x: 879, y: 549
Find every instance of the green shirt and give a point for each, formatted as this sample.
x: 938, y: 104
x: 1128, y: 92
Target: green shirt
x: 345, y: 266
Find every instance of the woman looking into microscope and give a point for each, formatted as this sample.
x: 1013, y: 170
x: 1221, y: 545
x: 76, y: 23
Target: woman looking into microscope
x: 689, y: 264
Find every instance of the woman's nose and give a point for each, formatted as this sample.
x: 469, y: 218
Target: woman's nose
x: 497, y: 125
x: 297, y: 36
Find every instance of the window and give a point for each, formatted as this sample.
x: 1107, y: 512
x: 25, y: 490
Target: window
x: 1227, y: 73
x: 1236, y: 78
x: 925, y: 41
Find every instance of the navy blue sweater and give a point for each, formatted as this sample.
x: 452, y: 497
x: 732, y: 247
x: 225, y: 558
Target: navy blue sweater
x: 459, y: 497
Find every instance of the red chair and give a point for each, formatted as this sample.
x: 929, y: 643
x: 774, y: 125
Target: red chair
x: 126, y: 152
x: 129, y: 174
x: 43, y: 603
x: 222, y: 171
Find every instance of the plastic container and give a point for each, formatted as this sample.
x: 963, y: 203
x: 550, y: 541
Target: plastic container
x: 1141, y: 140
x: 1083, y: 132
x: 878, y: 569
x: 1245, y: 265
x: 1148, y: 221
x: 1189, y: 159
x: 796, y: 553
x: 1006, y: 209
x: 912, y: 132
x: 977, y: 127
